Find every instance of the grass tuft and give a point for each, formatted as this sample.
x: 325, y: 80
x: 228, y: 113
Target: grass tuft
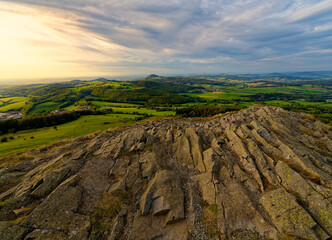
x: 210, y: 218
x: 109, y: 207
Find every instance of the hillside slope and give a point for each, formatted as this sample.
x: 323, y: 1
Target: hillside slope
x: 262, y: 173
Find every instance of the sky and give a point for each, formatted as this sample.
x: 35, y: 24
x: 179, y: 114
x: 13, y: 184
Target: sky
x: 57, y: 39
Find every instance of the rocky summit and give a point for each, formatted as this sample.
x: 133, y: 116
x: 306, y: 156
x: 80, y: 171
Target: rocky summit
x: 261, y: 173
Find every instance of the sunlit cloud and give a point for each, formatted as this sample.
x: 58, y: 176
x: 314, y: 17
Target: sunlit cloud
x: 316, y: 9
x: 39, y: 42
x: 44, y: 39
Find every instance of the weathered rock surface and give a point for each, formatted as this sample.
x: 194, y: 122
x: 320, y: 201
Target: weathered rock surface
x: 262, y: 173
x: 9, y: 230
x: 164, y: 196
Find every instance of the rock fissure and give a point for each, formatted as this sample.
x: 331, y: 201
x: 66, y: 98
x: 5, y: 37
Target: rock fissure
x: 261, y: 172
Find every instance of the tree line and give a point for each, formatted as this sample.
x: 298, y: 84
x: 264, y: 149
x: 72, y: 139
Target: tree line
x: 13, y: 125
x: 204, y: 111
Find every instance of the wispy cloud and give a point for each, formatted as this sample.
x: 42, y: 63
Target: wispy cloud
x: 309, y: 12
x: 138, y: 36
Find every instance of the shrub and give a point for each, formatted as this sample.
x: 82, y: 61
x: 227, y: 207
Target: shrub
x: 13, y: 130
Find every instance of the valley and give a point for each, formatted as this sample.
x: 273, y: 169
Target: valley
x: 119, y: 103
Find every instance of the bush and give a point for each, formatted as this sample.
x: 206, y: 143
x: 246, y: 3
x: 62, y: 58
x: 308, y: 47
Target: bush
x: 4, y: 139
x: 13, y: 130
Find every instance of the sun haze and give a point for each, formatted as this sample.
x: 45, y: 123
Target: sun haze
x: 61, y: 39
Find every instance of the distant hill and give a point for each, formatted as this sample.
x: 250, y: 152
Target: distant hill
x: 152, y: 76
x: 316, y: 74
x: 286, y: 76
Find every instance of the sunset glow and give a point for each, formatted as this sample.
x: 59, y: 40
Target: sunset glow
x: 41, y: 42
x: 61, y: 39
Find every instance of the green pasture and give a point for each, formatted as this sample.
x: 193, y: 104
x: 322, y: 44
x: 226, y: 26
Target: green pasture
x: 91, y: 84
x: 13, y: 99
x: 321, y: 104
x: 45, y: 107
x: 209, y: 86
x: 110, y: 104
x: 71, y: 108
x: 12, y: 107
x: 13, y: 103
x: 305, y: 89
x: 144, y: 111
x: 30, y: 139
x: 219, y: 95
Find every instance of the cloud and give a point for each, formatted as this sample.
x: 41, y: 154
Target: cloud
x: 133, y: 36
x: 313, y: 11
x: 46, y: 42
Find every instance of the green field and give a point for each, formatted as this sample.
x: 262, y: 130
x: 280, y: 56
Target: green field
x: 87, y: 85
x: 85, y: 125
x: 220, y: 95
x: 144, y: 111
x: 12, y: 99
x: 110, y: 104
x: 13, y: 103
x: 45, y: 107
x: 240, y: 92
x: 71, y: 108
x: 131, y: 108
x: 127, y: 108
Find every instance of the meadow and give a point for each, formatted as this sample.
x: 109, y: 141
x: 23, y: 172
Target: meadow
x: 12, y: 103
x: 244, y: 91
x: 30, y: 139
x: 44, y: 107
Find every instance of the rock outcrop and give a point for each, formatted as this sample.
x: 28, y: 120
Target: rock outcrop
x: 261, y: 173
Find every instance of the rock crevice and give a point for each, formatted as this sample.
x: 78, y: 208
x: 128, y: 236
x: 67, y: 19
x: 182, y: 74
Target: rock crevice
x: 262, y: 173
